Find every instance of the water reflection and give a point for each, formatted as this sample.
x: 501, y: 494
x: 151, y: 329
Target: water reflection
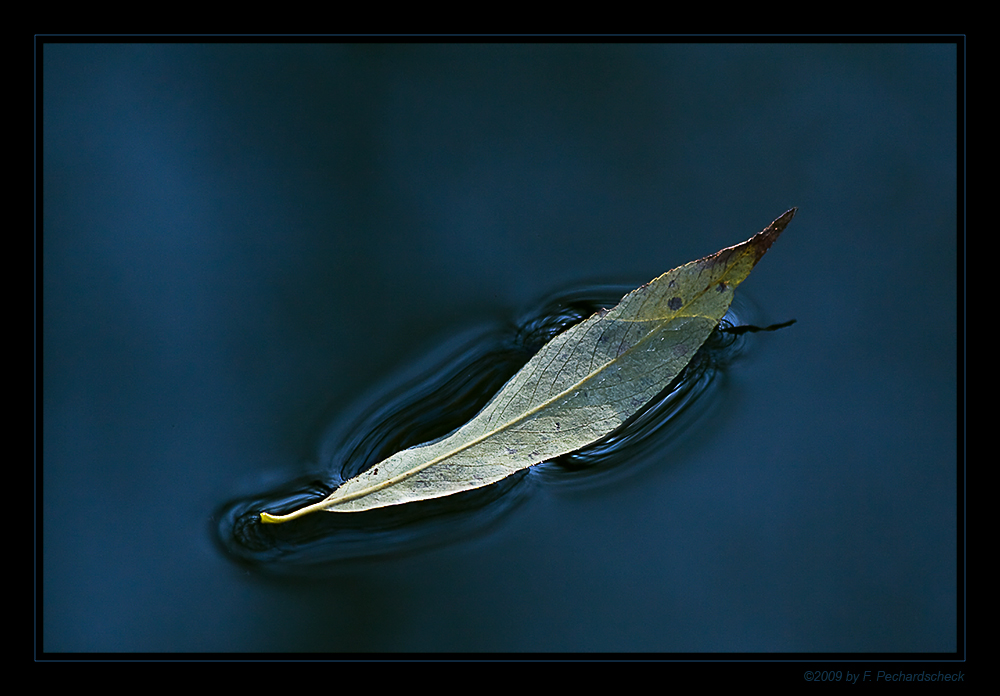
x: 448, y: 391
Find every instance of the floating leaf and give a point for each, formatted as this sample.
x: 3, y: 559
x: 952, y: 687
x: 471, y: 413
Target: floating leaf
x: 579, y: 387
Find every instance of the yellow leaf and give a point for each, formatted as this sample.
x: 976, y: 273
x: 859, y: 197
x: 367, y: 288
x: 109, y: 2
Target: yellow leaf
x: 579, y: 387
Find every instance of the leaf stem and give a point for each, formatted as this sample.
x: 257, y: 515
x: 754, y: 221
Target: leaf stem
x: 267, y: 518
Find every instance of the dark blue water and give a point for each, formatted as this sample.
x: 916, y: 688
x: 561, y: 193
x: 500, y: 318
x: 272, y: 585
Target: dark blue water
x: 258, y: 261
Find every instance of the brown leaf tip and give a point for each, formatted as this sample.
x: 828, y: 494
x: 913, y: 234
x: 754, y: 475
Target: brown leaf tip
x: 757, y: 245
x: 764, y: 239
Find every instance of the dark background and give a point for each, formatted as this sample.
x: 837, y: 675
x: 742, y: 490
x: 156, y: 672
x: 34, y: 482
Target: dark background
x: 240, y: 241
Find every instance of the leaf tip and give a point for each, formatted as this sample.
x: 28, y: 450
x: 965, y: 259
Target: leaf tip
x: 765, y: 238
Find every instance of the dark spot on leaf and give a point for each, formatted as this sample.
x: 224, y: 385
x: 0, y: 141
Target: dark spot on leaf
x: 721, y: 287
x: 675, y: 303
